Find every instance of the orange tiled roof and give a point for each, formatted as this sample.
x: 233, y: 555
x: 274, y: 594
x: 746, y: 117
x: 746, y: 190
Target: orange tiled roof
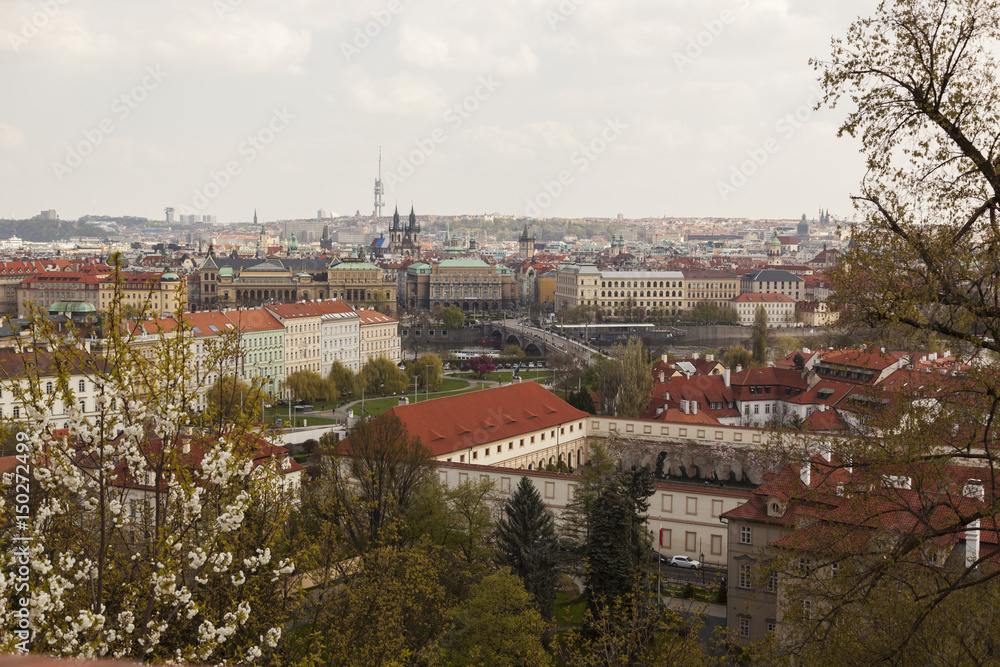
x: 467, y: 420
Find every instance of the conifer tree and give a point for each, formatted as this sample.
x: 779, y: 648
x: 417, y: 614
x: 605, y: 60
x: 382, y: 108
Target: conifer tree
x: 760, y: 336
x: 526, y: 542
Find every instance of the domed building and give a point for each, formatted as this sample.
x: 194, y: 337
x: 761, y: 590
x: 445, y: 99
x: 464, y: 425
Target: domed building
x: 774, y: 249
x: 78, y: 312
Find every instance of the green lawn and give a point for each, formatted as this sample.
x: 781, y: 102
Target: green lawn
x: 507, y: 375
x: 700, y: 594
x: 302, y: 419
x: 569, y: 609
x: 449, y: 387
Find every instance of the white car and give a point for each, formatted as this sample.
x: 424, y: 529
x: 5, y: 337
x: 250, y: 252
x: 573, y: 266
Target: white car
x: 684, y: 561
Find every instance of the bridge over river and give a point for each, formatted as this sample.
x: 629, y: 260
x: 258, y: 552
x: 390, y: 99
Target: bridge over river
x: 535, y: 341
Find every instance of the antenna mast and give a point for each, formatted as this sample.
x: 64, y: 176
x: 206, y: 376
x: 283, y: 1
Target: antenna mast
x: 379, y: 189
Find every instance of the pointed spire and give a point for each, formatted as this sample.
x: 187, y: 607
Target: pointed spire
x: 255, y: 217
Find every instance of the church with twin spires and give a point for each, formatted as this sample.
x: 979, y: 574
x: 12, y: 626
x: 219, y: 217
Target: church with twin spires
x: 405, y: 241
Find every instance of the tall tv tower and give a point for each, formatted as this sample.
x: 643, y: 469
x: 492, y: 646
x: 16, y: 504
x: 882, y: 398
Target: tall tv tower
x: 379, y: 189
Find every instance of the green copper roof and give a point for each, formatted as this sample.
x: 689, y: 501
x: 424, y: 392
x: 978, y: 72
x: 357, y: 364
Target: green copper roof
x: 72, y: 307
x: 354, y: 266
x: 462, y: 263
x: 170, y: 275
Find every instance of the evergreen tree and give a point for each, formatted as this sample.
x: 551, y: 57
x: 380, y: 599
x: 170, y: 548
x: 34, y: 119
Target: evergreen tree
x: 581, y: 400
x: 526, y: 542
x: 598, y: 472
x: 618, y: 540
x: 639, y: 486
x: 760, y: 336
x: 610, y: 566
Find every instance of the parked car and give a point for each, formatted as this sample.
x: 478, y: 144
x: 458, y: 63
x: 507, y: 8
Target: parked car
x: 656, y: 557
x: 684, y: 561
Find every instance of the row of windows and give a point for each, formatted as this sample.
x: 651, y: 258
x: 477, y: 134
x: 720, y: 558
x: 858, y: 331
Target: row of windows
x: 510, y: 445
x: 642, y: 294
x: 745, y: 627
x: 640, y: 283
x: 49, y: 387
x: 745, y: 580
x: 691, y: 542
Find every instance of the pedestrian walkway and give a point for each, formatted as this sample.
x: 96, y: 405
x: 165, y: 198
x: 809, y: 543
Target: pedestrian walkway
x: 696, y: 607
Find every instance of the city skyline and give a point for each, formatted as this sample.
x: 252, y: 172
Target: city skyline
x: 540, y: 109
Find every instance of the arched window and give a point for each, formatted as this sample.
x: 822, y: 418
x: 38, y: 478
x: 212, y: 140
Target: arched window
x: 48, y: 387
x: 83, y: 386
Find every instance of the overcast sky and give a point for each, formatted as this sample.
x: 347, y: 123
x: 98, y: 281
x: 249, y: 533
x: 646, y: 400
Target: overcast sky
x: 545, y: 107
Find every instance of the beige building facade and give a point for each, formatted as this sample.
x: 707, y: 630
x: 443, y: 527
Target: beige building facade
x: 302, y: 325
x: 379, y: 337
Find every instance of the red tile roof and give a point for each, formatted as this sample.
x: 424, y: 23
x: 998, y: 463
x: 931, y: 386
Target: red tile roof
x: 254, y: 319
x: 374, y: 317
x: 757, y: 297
x: 467, y: 420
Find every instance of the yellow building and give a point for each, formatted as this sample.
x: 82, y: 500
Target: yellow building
x: 154, y: 294
x: 547, y: 288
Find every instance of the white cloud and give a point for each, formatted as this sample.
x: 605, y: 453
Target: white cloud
x: 400, y: 95
x: 525, y: 141
x: 454, y: 48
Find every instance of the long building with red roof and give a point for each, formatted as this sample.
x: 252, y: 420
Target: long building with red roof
x: 521, y: 425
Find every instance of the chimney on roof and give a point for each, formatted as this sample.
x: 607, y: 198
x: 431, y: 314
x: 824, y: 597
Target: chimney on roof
x: 725, y: 377
x: 696, y: 356
x: 694, y: 407
x: 973, y: 489
x: 661, y: 377
x: 805, y: 472
x: 806, y: 350
x: 739, y: 368
x: 827, y: 452
x: 684, y: 406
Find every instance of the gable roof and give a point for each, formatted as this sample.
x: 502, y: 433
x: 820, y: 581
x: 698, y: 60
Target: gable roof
x: 475, y: 418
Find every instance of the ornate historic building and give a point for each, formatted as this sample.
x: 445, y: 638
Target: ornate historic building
x: 362, y: 284
x: 247, y: 283
x: 526, y: 245
x: 462, y: 280
x: 406, y: 241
